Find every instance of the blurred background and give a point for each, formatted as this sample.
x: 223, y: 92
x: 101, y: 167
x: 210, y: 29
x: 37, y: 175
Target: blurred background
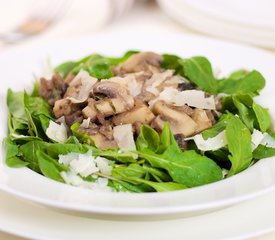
x: 28, y: 21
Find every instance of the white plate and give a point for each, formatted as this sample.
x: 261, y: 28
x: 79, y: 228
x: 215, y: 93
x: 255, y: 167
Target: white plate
x: 243, y: 221
x: 17, y: 68
x: 256, y: 13
x: 197, y: 17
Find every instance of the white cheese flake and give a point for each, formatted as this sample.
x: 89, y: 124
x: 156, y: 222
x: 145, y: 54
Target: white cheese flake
x: 211, y: 144
x: 193, y: 98
x: 124, y: 138
x: 86, y: 84
x: 57, y: 132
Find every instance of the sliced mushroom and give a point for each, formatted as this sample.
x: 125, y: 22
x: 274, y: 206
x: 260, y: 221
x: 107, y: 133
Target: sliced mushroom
x: 141, y: 61
x: 140, y: 113
x: 102, y: 136
x: 64, y: 107
x: 180, y: 141
x: 52, y: 90
x: 102, y: 142
x: 180, y: 122
x: 119, y: 99
x: 90, y: 110
x: 201, y: 118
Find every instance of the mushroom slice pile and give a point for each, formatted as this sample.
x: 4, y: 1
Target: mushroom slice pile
x: 141, y: 92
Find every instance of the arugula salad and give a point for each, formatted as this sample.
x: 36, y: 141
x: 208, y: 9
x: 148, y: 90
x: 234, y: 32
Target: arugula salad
x: 142, y: 122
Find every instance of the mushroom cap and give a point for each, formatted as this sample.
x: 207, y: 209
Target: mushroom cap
x: 141, y: 61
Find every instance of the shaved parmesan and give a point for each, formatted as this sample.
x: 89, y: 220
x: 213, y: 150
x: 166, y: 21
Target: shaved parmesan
x: 268, y: 141
x: 85, y: 83
x: 256, y: 137
x: 124, y: 137
x: 130, y: 82
x: 156, y: 80
x: 211, y: 144
x: 193, y: 98
x: 85, y: 123
x: 57, y: 132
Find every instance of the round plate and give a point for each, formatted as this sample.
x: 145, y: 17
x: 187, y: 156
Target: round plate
x: 18, y: 68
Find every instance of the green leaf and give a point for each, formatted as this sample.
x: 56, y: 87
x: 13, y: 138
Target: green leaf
x: 239, y: 145
x: 167, y: 139
x: 28, y: 151
x: 241, y: 73
x: 262, y: 116
x: 148, y: 138
x: 10, y: 147
x: 56, y: 149
x: 187, y: 168
x: 65, y: 68
x: 12, y: 160
x: 81, y: 136
x: 245, y: 112
x: 15, y: 162
x: 126, y: 173
x: 163, y: 186
x: 251, y: 83
x: 263, y: 152
x: 172, y: 62
x: 113, y: 154
x: 47, y: 167
x: 217, y: 127
x: 199, y: 71
x: 15, y: 102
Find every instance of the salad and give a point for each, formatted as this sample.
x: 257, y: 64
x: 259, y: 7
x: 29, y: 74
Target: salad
x: 142, y: 122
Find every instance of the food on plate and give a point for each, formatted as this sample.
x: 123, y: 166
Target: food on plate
x: 142, y: 122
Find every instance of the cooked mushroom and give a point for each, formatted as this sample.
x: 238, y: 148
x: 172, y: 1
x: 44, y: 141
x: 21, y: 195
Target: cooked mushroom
x: 141, y: 62
x: 140, y: 113
x: 90, y: 110
x: 118, y: 101
x: 180, y: 141
x: 52, y: 90
x: 201, y: 118
x: 63, y: 107
x: 180, y: 122
x: 102, y: 136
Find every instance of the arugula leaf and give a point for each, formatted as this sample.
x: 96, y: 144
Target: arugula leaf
x: 263, y: 152
x: 251, y: 83
x: 97, y: 65
x: 148, y: 138
x: 172, y: 62
x: 167, y: 140
x: 251, y: 113
x: 187, y: 168
x: 12, y: 159
x: 28, y: 151
x: 262, y: 116
x: 238, y: 74
x: 65, y: 68
x: 199, y: 71
x: 113, y: 154
x: 245, y: 112
x: 163, y: 186
x: 217, y: 127
x: 48, y: 166
x: 239, y: 145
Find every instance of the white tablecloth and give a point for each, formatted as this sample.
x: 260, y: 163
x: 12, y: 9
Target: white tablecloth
x: 144, y: 18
